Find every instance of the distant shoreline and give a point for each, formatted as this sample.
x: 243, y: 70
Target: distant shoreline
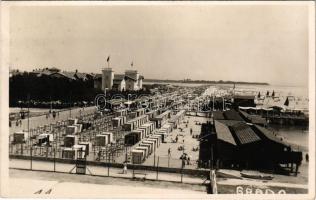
x: 203, y: 82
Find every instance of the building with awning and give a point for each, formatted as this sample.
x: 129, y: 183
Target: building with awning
x: 244, y: 100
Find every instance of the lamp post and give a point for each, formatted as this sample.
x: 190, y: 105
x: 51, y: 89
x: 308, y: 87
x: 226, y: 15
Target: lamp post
x: 28, y: 126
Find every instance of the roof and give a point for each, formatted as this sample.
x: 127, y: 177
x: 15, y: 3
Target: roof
x: 119, y: 77
x: 218, y: 115
x: 244, y: 133
x: 163, y: 114
x: 223, y: 133
x: 97, y: 76
x: 81, y: 75
x: 229, y: 122
x: 244, y: 97
x: 232, y: 115
x: 255, y: 119
x: 269, y: 135
x: 69, y: 75
x: 130, y: 78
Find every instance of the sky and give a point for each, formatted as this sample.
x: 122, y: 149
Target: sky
x: 255, y: 43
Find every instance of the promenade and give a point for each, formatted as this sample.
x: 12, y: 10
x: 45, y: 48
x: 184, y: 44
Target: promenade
x: 33, y: 184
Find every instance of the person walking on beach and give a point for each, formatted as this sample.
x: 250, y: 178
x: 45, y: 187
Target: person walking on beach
x: 307, y: 157
x: 169, y: 152
x: 191, y: 131
x: 54, y: 114
x: 99, y: 156
x: 125, y: 168
x: 188, y: 160
x: 183, y: 161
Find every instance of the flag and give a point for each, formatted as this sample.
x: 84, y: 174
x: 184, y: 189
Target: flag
x: 272, y: 94
x: 286, y: 103
x: 108, y: 59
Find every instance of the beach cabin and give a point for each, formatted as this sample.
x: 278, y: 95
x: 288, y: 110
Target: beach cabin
x: 140, y: 112
x: 167, y: 128
x: 123, y: 120
x: 148, y: 146
x: 151, y: 143
x: 88, y: 147
x: 68, y: 153
x: 101, y: 140
x: 119, y: 113
x: 131, y: 139
x: 79, y: 128
x: 138, y: 156
x: 145, y: 149
x: 151, y: 114
x: 44, y: 139
x: 129, y: 126
x: 109, y: 135
x: 152, y: 126
x: 70, y: 140
x: 71, y: 130
x: 163, y: 135
x: 76, y: 152
x: 145, y: 130
x: 132, y: 115
x: 72, y: 121
x: 80, y: 151
x: 116, y: 122
x: 154, y: 140
x: 20, y: 137
x: 157, y: 140
x: 161, y: 119
x: 159, y: 137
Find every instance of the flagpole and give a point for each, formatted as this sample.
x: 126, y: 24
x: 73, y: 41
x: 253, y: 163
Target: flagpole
x: 108, y: 61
